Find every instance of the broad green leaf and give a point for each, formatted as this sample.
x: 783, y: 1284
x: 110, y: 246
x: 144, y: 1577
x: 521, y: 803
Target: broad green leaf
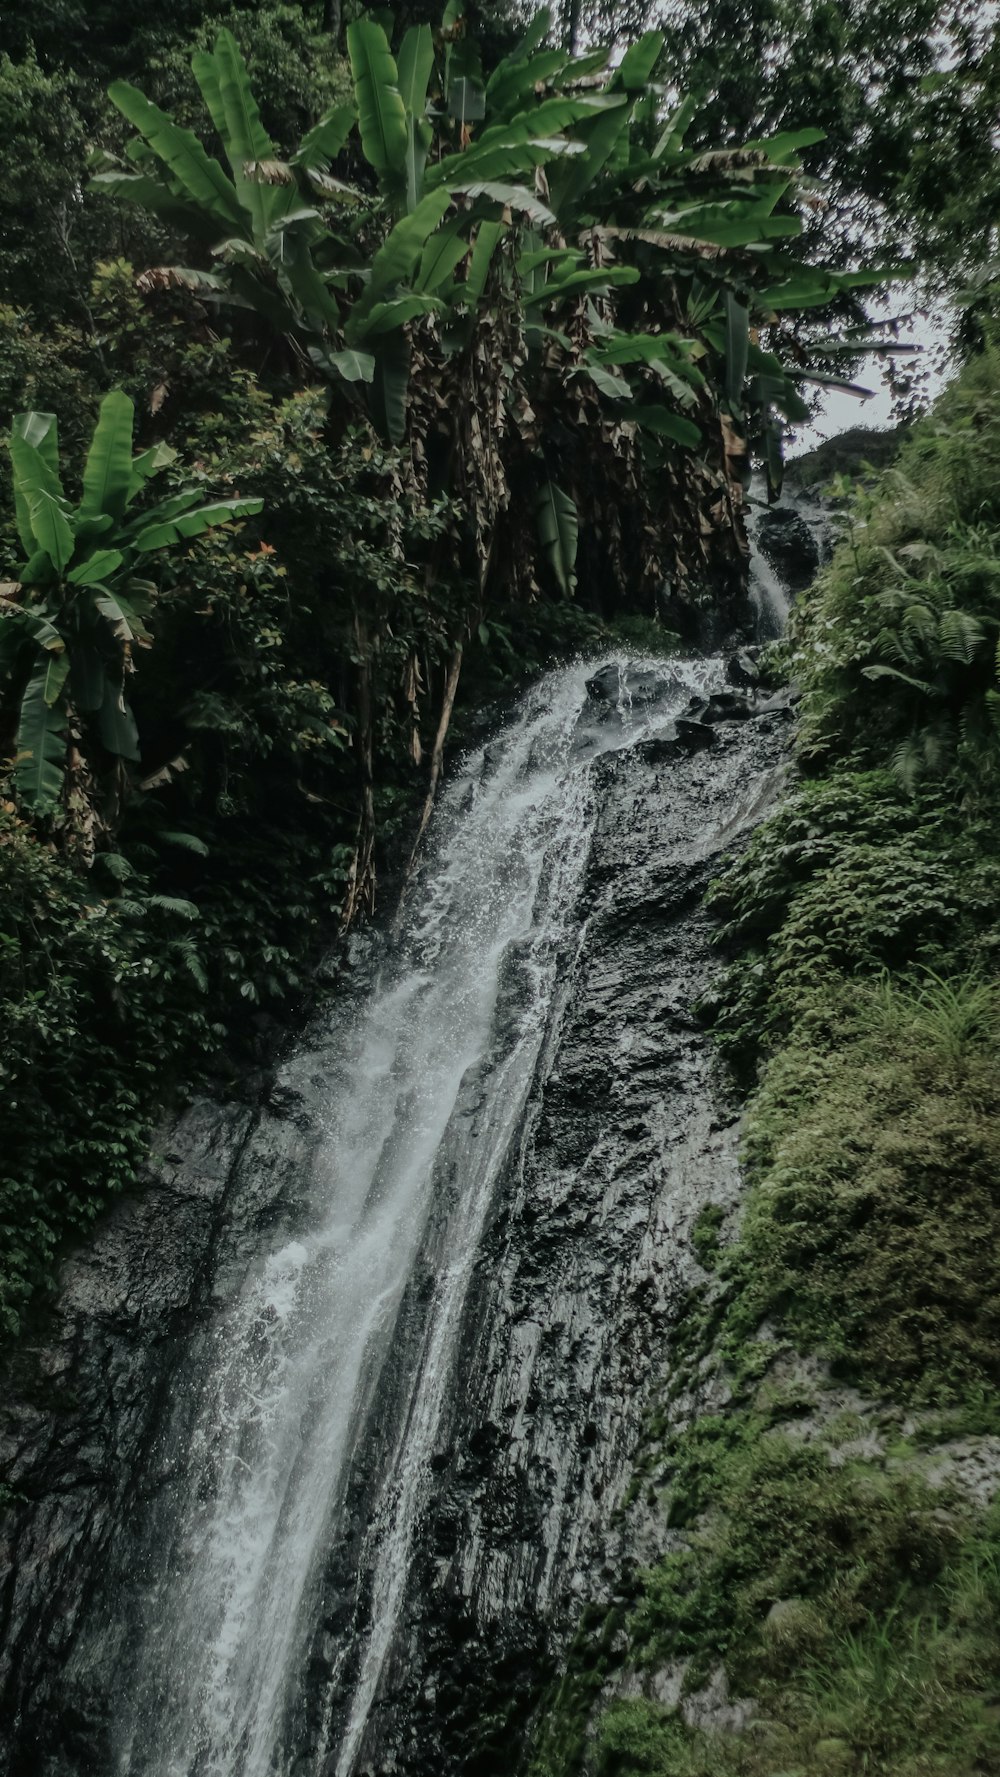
x: 387, y: 316
x: 192, y: 524
x: 675, y: 128
x: 558, y: 531
x: 667, y: 425
x: 164, y: 509
x: 40, y: 755
x: 602, y: 277
x: 737, y: 346
x: 514, y: 81
x: 205, y: 68
x: 783, y: 149
x: 388, y: 391
x: 511, y: 197
x: 56, y: 674
x: 246, y: 138
x: 326, y: 138
x: 182, y: 841
x: 116, y: 724
x: 135, y: 188
x: 41, y: 430
x: 806, y: 288
x: 298, y: 275
x: 201, y: 177
x: 637, y: 64
x: 443, y: 253
x: 107, y: 474
x: 247, y: 141
x: 399, y: 254
x: 419, y: 137
x: 51, y: 528
x: 95, y: 570
x: 416, y: 60
x: 149, y: 463
x: 713, y: 227
x: 599, y: 136
x: 466, y: 102
x: 607, y: 382
x: 381, y: 112
x: 350, y: 366
x: 642, y: 348
x: 488, y: 237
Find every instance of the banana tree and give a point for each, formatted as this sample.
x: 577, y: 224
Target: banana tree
x: 571, y: 324
x: 73, y: 620
x: 556, y: 184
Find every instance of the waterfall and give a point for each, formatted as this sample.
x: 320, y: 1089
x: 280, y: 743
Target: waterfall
x: 414, y: 1099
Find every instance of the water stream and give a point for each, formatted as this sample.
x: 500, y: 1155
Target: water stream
x: 415, y: 1102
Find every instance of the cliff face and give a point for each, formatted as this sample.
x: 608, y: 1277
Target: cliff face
x: 491, y: 1436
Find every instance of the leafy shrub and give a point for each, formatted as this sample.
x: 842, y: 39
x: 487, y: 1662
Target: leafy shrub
x: 98, y: 1005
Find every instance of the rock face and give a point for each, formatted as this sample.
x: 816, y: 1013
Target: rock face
x: 623, y: 1133
x: 791, y: 543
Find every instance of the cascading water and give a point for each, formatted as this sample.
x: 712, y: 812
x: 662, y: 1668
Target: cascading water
x: 415, y: 1103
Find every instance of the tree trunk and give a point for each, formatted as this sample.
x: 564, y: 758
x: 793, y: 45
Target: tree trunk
x: 437, y: 757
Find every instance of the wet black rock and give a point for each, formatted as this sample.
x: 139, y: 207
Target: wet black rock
x: 722, y: 706
x: 742, y: 669
x: 606, y: 685
x: 787, y: 540
x: 694, y: 736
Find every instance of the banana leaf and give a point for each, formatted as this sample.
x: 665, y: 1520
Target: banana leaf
x: 39, y: 431
x: 599, y: 136
x: 326, y: 138
x: 200, y: 176
x: 558, y: 531
x: 96, y: 569
x: 602, y: 277
x: 192, y: 524
x: 511, y: 197
x: 443, y: 253
x: 416, y: 60
x: 107, y: 474
x: 381, y: 112
x: 664, y: 424
x: 116, y: 724
x: 387, y: 396
x: 385, y: 317
x: 399, y: 254
x: 488, y: 237
x: 40, y: 758
x: 47, y: 510
x: 638, y: 62
x: 736, y: 349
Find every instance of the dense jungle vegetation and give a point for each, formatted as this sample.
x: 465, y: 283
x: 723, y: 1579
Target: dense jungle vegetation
x: 353, y: 367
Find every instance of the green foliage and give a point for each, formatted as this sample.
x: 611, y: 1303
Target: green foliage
x: 71, y: 623
x: 897, y: 652
x: 89, y: 986
x: 873, y: 1147
x: 902, y: 93
x: 455, y: 262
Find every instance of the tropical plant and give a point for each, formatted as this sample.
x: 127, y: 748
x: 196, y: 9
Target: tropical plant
x: 71, y: 623
x: 551, y: 205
